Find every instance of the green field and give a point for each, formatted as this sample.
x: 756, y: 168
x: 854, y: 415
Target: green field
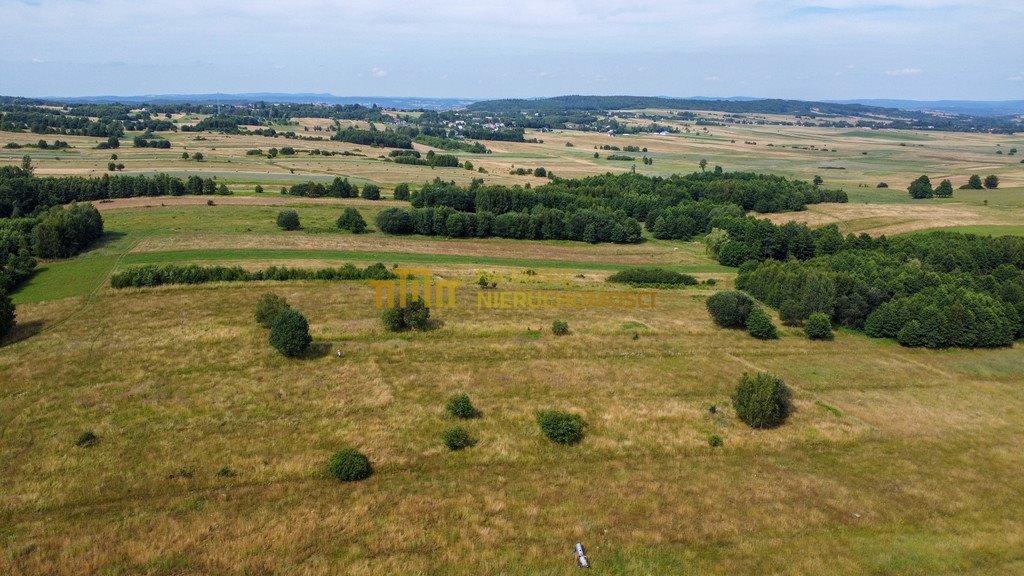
x: 895, y: 461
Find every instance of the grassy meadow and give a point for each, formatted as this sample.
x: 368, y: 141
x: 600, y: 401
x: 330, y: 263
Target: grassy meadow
x: 213, y: 447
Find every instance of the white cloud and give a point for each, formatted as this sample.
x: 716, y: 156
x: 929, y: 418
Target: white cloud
x: 1017, y: 78
x: 903, y: 72
x: 378, y: 72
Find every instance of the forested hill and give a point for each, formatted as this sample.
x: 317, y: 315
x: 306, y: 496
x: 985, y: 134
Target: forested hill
x: 600, y: 103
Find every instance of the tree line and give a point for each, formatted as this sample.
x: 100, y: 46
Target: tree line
x: 149, y: 276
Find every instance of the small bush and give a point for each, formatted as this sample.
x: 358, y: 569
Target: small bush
x: 289, y: 333
x: 414, y: 316
x: 393, y: 320
x: 460, y: 406
x: 87, y: 440
x: 268, y: 307
x: 226, y: 472
x: 715, y: 441
x: 352, y: 221
x: 762, y: 400
x: 561, y: 427
x: 288, y: 220
x: 457, y: 438
x: 559, y: 327
x: 402, y: 192
x: 760, y: 325
x: 730, y: 309
x: 349, y: 465
x: 818, y: 327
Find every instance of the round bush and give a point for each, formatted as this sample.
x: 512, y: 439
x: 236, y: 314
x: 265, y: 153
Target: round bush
x: 370, y: 192
x: 561, y: 427
x: 759, y: 325
x: 268, y: 307
x: 559, y: 327
x: 818, y: 327
x: 715, y: 441
x: 730, y: 309
x: 460, y: 406
x: 393, y: 320
x: 349, y: 465
x: 87, y: 440
x: 457, y: 438
x: 289, y: 333
x: 402, y: 191
x: 288, y: 220
x: 762, y: 400
x: 352, y: 221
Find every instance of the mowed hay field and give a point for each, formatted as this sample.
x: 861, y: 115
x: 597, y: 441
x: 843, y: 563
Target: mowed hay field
x: 896, y: 461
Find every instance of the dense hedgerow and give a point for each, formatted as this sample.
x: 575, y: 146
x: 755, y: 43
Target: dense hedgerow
x: 561, y: 427
x: 762, y: 400
x: 349, y: 465
x: 730, y: 309
x: 652, y: 277
x: 150, y: 275
x: 460, y: 406
x: 289, y: 333
x: 457, y: 438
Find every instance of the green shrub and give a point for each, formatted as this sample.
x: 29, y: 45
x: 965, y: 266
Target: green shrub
x: 87, y: 440
x: 730, y: 309
x: 791, y: 312
x: 460, y: 406
x: 352, y: 221
x: 349, y: 465
x: 289, y: 333
x: 715, y: 441
x: 559, y: 327
x: 818, y: 327
x: 7, y: 315
x: 268, y: 307
x: 370, y: 192
x: 760, y: 325
x: 457, y: 438
x: 762, y: 400
x: 402, y: 192
x: 561, y: 427
x: 288, y: 220
x: 226, y: 472
x: 414, y: 316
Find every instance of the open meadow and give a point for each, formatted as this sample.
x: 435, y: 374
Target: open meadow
x: 213, y: 448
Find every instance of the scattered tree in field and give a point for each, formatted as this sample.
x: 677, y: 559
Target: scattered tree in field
x: 288, y: 220
x: 184, y: 155
x: 460, y: 406
x: 352, y: 221
x: 703, y: 164
x: 561, y: 427
x: 991, y: 181
x: 370, y: 192
x: 26, y: 164
x: 559, y: 327
x: 402, y: 191
x: 415, y: 316
x: 818, y: 327
x: 730, y: 309
x: 349, y: 465
x: 973, y: 183
x: 7, y: 315
x: 258, y: 189
x: 760, y: 325
x: 111, y: 166
x: 113, y: 142
x: 762, y: 400
x: 268, y: 307
x: 457, y: 438
x: 921, y: 188
x: 540, y: 172
x: 882, y: 185
x: 944, y: 189
x: 597, y: 155
x: 289, y: 333
x: 818, y: 180
x: 198, y: 156
x: 467, y: 165
x: 223, y: 190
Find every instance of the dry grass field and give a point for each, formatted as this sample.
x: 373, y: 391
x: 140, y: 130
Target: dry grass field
x: 896, y: 461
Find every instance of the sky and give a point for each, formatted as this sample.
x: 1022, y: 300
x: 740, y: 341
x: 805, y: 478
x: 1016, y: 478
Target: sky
x: 800, y: 49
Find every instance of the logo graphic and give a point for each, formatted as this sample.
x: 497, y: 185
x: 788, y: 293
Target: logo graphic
x: 423, y: 287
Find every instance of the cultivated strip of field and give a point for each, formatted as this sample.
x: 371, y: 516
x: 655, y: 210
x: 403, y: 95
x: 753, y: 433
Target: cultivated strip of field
x: 890, y: 219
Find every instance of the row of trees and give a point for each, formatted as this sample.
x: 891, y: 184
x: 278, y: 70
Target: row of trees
x: 379, y: 138
x: 540, y: 224
x: 149, y: 276
x: 922, y: 186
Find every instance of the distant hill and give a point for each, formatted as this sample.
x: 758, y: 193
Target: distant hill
x: 969, y: 107
x: 408, y: 103
x: 561, y: 104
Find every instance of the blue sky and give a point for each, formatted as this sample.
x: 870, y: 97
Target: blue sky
x: 806, y: 49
